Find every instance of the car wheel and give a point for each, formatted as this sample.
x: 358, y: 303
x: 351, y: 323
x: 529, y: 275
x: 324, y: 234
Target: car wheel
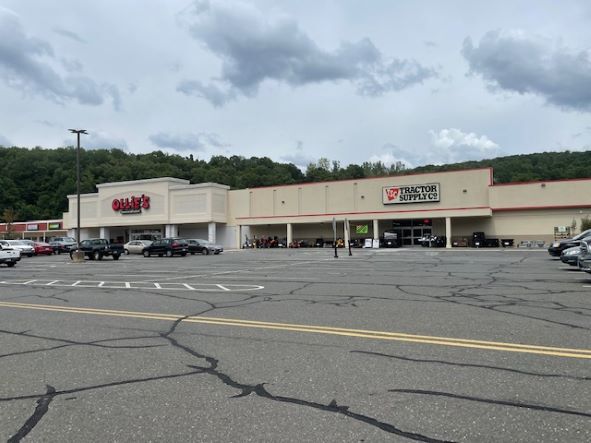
x: 30, y: 255
x: 97, y: 255
x: 10, y: 264
x: 59, y: 252
x: 146, y: 253
x: 71, y: 255
x: 126, y: 251
x: 159, y: 255
x: 206, y: 251
x: 183, y: 254
x: 116, y: 256
x: 192, y: 253
x: 169, y: 253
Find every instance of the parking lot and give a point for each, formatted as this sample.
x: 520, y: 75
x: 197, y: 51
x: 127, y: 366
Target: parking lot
x: 295, y: 345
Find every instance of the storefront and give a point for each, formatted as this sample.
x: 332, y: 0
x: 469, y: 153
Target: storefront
x: 37, y: 230
x: 454, y: 204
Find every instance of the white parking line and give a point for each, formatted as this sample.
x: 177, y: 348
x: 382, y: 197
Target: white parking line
x: 138, y: 286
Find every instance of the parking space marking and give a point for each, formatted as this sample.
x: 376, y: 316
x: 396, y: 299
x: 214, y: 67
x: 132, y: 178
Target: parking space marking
x: 164, y: 286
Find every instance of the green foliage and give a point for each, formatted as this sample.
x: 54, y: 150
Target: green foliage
x: 585, y: 223
x: 35, y: 182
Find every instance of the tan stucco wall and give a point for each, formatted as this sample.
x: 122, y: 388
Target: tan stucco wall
x: 462, y: 192
x: 541, y: 194
x: 172, y: 201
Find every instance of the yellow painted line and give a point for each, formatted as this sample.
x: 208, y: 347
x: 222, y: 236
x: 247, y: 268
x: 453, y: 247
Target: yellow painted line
x: 360, y: 333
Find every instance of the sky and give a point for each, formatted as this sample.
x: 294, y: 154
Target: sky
x: 420, y: 82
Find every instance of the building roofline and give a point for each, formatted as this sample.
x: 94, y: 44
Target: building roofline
x: 146, y: 180
x: 533, y: 182
x: 490, y: 169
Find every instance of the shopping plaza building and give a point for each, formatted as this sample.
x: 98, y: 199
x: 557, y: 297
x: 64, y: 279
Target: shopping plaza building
x: 453, y: 204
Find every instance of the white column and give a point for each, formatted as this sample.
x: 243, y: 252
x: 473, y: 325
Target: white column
x: 376, y: 230
x: 104, y: 233
x: 171, y: 230
x: 211, y: 232
x: 346, y: 233
x: 448, y: 232
x: 289, y: 234
x: 238, y: 237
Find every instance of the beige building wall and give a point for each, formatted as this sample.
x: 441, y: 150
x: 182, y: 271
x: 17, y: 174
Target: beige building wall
x: 172, y: 201
x: 462, y: 192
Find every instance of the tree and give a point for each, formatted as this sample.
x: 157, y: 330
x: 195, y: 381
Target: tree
x: 9, y: 216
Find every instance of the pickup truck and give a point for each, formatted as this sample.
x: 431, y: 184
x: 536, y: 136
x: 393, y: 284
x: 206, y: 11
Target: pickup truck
x: 97, y: 248
x: 9, y: 256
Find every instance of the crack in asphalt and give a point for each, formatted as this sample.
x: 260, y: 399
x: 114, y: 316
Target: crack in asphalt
x: 471, y: 365
x: 492, y: 401
x: 40, y: 410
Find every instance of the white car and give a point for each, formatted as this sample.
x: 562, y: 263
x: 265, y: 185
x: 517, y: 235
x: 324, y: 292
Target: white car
x: 18, y: 245
x: 136, y: 246
x: 8, y: 255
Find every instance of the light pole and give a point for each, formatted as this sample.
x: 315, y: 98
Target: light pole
x: 78, y: 256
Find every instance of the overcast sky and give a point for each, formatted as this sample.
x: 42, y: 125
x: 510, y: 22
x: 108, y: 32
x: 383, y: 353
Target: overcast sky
x: 413, y: 81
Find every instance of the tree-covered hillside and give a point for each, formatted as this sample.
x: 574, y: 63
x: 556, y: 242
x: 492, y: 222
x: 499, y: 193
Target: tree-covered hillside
x: 35, y: 182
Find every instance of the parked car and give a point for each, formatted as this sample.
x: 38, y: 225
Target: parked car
x: 390, y: 240
x: 557, y: 247
x: 167, y: 246
x: 584, y: 258
x: 8, y: 255
x: 136, y: 246
x: 42, y: 248
x: 570, y: 256
x: 198, y: 245
x: 24, y: 249
x: 62, y: 245
x: 97, y: 248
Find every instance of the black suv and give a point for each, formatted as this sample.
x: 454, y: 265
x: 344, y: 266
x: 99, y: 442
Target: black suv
x: 557, y: 247
x: 168, y: 247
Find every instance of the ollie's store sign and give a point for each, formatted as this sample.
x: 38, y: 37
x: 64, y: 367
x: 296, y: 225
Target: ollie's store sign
x: 131, y: 205
x: 428, y: 192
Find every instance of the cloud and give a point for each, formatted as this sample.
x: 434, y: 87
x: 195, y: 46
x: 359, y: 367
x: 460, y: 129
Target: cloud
x: 30, y: 64
x: 392, y: 154
x: 4, y: 141
x: 453, y: 145
x: 97, y: 140
x: 447, y: 146
x: 187, y: 142
x: 69, y: 34
x: 254, y: 46
x: 516, y: 62
x: 298, y: 157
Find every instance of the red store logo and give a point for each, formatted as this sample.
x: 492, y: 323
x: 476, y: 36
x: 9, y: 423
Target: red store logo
x: 392, y: 193
x: 131, y: 205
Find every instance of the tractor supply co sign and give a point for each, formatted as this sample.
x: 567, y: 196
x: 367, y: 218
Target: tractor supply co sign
x: 425, y: 193
x: 131, y: 205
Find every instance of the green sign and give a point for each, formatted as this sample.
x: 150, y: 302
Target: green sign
x: 361, y: 229
x: 54, y: 226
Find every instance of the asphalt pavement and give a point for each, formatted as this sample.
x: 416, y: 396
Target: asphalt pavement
x: 296, y: 345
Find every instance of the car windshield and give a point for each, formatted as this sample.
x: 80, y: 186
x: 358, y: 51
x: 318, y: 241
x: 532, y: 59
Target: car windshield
x: 203, y: 242
x: 583, y: 235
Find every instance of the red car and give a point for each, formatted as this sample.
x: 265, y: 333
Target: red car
x: 43, y: 248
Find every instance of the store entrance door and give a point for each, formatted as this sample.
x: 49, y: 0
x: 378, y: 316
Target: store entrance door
x: 410, y: 232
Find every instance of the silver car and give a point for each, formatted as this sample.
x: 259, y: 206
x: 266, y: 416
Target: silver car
x: 136, y: 246
x: 19, y: 245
